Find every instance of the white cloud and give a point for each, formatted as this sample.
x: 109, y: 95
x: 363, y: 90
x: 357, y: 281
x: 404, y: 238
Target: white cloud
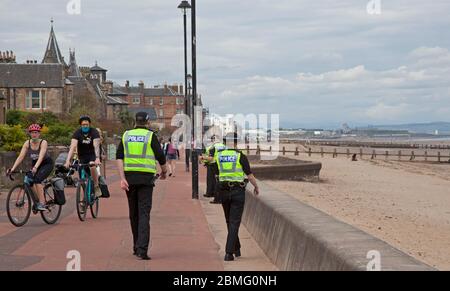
x: 354, y: 94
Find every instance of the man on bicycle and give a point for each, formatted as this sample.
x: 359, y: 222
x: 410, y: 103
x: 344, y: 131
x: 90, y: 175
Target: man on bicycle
x: 86, y: 141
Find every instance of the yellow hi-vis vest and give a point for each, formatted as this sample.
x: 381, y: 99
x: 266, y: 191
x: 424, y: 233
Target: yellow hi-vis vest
x: 139, y: 155
x: 218, y: 147
x: 207, y: 154
x: 230, y: 168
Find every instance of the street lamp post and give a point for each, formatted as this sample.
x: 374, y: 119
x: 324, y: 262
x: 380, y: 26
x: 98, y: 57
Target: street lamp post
x: 194, y: 101
x: 184, y: 6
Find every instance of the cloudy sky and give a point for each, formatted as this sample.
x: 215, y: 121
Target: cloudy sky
x: 316, y: 63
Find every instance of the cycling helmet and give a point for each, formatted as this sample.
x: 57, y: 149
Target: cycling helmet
x: 84, y: 118
x: 34, y: 127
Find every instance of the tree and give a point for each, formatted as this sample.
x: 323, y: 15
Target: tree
x: 126, y: 119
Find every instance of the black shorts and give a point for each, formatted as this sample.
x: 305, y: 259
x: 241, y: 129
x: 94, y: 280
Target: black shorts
x: 43, y: 172
x: 87, y: 159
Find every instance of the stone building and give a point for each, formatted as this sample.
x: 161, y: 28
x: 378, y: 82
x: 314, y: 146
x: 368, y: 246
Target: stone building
x: 35, y: 87
x: 58, y: 86
x: 52, y: 85
x: 2, y: 108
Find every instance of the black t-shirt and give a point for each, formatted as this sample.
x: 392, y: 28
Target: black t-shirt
x: 86, y: 142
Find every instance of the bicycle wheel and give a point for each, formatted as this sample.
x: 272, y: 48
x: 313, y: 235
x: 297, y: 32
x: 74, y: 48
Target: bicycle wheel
x: 94, y: 208
x: 18, y: 206
x: 53, y: 212
x: 80, y: 200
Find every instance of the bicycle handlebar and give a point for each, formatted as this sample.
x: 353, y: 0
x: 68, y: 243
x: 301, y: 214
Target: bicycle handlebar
x: 10, y: 175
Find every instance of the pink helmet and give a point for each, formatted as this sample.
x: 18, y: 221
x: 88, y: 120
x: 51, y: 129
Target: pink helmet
x: 34, y: 127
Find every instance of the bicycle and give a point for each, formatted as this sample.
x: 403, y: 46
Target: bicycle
x: 22, y: 199
x: 87, y: 199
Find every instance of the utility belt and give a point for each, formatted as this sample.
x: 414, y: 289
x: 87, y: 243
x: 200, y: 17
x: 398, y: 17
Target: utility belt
x: 233, y: 185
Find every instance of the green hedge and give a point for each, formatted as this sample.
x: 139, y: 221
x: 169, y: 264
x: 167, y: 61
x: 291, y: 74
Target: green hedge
x: 12, y: 138
x: 55, y: 131
x: 59, y: 134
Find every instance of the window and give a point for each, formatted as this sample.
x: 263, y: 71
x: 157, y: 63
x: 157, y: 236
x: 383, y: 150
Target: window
x: 180, y: 100
x: 180, y: 111
x: 150, y: 101
x: 36, y: 100
x: 136, y: 100
x: 161, y: 113
x: 161, y: 101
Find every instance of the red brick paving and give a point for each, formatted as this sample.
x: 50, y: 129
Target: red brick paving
x: 181, y: 239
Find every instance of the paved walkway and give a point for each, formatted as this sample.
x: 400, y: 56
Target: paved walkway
x: 182, y: 238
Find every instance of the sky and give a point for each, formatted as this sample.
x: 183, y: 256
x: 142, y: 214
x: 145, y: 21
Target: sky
x: 315, y: 63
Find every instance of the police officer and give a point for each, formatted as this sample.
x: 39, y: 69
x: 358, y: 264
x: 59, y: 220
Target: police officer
x: 232, y: 166
x: 210, y: 177
x: 212, y: 173
x: 136, y: 156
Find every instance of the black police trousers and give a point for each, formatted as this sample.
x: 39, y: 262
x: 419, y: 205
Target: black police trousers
x: 140, y: 205
x: 233, y: 201
x: 210, y: 180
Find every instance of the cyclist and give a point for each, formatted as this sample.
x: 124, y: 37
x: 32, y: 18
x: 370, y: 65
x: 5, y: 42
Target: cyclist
x: 36, y: 149
x: 86, y: 142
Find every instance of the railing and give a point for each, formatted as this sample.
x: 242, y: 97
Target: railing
x: 401, y: 155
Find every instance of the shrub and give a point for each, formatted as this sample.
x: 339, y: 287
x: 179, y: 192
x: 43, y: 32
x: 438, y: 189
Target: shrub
x: 59, y: 134
x: 15, y: 117
x: 12, y: 138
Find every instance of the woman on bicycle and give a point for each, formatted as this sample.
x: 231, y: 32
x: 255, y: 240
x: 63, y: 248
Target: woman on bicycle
x: 42, y: 165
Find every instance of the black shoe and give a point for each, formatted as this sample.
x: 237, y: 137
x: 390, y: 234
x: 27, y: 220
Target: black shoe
x: 237, y: 253
x: 228, y: 257
x: 215, y: 202
x: 143, y: 257
x: 208, y: 195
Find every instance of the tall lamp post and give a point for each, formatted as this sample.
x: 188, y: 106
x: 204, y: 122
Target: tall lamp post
x: 194, y: 101
x: 184, y: 6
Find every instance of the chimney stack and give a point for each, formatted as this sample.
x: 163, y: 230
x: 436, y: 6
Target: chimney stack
x: 141, y: 85
x: 7, y: 57
x: 127, y: 84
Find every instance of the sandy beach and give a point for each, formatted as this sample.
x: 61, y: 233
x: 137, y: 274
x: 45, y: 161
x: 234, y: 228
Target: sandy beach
x: 405, y: 204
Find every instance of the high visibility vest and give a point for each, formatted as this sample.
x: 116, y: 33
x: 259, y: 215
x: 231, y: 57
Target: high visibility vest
x: 139, y: 155
x: 208, y: 148
x: 218, y: 147
x: 230, y: 168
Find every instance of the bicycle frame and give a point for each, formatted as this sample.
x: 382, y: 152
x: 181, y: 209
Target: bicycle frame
x: 28, y: 190
x: 86, y: 178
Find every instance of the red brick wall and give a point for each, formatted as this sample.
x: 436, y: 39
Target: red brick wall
x: 169, y: 106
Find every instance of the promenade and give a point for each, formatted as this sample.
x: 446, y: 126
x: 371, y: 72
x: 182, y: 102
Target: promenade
x: 186, y: 234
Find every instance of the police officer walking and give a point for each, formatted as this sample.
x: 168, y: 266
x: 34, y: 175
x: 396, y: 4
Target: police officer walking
x: 136, y: 156
x: 212, y: 172
x: 233, y: 166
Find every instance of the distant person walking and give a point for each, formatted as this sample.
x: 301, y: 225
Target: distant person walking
x: 172, y: 154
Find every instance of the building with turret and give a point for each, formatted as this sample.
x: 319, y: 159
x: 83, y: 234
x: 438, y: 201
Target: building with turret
x: 52, y: 85
x: 59, y: 86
